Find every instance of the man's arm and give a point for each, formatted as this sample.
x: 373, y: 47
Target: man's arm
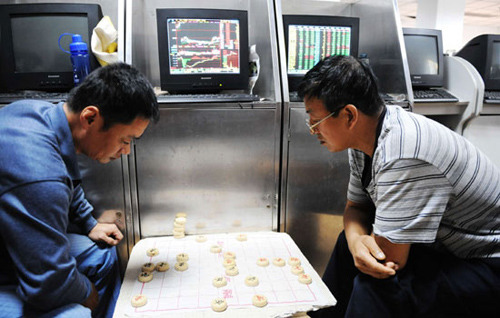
x: 81, y: 214
x: 395, y: 253
x: 368, y: 256
x: 412, y: 196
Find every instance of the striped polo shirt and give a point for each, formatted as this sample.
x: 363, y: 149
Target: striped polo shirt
x: 430, y: 185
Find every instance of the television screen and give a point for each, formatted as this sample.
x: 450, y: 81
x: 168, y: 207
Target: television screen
x: 495, y: 61
x: 206, y: 46
x: 422, y: 52
x: 483, y: 52
x: 35, y: 41
x: 310, y: 38
x: 202, y: 50
x: 30, y: 57
x: 308, y: 44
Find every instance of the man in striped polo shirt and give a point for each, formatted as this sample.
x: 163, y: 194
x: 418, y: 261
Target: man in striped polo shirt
x: 422, y: 220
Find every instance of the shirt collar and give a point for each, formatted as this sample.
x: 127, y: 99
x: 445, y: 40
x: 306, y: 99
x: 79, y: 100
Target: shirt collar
x: 65, y: 140
x: 366, y: 177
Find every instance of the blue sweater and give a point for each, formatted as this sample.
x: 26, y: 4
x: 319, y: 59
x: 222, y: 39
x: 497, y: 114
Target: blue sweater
x: 40, y: 195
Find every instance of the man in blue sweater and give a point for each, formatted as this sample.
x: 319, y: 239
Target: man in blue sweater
x: 45, y: 270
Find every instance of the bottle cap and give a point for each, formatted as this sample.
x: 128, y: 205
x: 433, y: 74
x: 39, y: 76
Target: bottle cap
x: 77, y: 45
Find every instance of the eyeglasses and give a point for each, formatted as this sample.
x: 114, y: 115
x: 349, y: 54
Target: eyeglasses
x: 313, y: 127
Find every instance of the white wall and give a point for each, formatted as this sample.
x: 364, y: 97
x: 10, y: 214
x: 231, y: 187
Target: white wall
x: 444, y: 15
x: 469, y: 31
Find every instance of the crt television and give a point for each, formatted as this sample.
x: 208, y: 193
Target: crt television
x: 311, y: 38
x: 424, y: 50
x: 30, y: 57
x: 483, y: 52
x: 202, y: 50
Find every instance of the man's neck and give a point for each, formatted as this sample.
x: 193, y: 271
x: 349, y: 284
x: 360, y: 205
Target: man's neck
x: 367, y: 133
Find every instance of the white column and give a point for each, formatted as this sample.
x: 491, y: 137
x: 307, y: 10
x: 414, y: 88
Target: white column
x: 444, y: 15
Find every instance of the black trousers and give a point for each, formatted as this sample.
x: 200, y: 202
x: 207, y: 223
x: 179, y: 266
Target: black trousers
x: 432, y: 284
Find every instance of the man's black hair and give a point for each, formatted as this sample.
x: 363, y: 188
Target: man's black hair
x: 120, y: 92
x: 340, y: 80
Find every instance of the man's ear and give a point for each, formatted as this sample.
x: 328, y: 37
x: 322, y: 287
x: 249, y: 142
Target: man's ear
x: 88, y: 116
x: 352, y: 114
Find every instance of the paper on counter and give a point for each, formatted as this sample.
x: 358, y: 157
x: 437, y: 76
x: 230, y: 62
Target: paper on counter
x: 189, y: 293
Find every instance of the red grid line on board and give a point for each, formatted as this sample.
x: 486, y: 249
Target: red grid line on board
x: 312, y: 292
x: 182, y: 275
x: 238, y: 306
x: 199, y: 274
x: 164, y: 274
x: 142, y: 287
x: 282, y: 268
x: 269, y: 278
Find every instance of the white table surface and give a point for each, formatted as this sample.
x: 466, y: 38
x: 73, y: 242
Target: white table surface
x: 189, y: 293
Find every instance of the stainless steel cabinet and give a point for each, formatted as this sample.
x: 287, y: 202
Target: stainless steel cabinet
x: 316, y: 183
x: 217, y: 164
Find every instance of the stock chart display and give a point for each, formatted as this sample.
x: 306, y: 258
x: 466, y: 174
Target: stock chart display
x: 204, y: 46
x: 308, y: 44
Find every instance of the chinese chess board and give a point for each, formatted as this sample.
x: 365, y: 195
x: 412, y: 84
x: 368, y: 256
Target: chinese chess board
x: 190, y: 293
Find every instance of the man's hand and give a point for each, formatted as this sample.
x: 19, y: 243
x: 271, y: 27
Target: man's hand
x: 104, y: 232
x: 368, y: 257
x: 93, y: 300
x: 366, y: 252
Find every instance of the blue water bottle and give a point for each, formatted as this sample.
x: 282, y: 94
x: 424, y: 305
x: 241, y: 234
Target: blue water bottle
x: 79, y: 57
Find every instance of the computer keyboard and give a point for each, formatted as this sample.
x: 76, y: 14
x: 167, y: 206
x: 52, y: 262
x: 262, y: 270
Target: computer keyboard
x: 294, y: 97
x: 434, y: 95
x: 492, y: 97
x: 206, y: 98
x: 7, y: 98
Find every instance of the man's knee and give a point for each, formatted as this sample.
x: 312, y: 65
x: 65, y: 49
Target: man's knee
x: 367, y: 285
x: 105, y: 259
x: 94, y: 260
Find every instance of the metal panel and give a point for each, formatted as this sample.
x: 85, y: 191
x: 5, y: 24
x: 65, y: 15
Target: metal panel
x: 314, y: 181
x: 380, y: 37
x: 235, y: 170
x: 144, y: 48
x: 218, y: 165
x: 308, y: 7
x: 316, y: 192
x: 262, y: 33
x: 105, y: 189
